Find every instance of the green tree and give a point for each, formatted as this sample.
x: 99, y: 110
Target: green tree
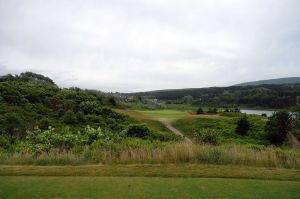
x: 278, y: 126
x: 112, y: 101
x: 138, y: 130
x: 243, y: 126
x: 14, y: 125
x: 200, y: 110
x: 212, y: 110
x: 187, y: 99
x: 70, y: 117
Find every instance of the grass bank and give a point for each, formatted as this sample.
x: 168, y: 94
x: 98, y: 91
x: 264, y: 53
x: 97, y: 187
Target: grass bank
x: 155, y: 170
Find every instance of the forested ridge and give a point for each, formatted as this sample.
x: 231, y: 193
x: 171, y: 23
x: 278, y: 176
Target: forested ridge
x: 264, y: 96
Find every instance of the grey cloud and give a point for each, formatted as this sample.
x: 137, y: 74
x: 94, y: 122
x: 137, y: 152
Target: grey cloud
x: 141, y: 45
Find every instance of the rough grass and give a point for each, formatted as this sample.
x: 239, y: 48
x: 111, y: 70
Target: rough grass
x: 171, y: 153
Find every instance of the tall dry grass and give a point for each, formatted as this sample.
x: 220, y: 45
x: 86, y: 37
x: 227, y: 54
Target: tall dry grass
x: 173, y: 153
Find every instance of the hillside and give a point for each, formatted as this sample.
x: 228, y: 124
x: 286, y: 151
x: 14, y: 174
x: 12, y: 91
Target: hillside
x: 37, y: 116
x: 286, y: 80
x: 266, y: 96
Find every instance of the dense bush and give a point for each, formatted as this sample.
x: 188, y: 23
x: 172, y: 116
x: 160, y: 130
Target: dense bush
x: 138, y: 130
x: 200, y: 110
x: 70, y: 117
x: 31, y: 101
x: 212, y: 110
x: 278, y: 126
x: 242, y: 126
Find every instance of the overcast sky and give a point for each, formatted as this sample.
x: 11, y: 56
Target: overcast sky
x: 137, y: 45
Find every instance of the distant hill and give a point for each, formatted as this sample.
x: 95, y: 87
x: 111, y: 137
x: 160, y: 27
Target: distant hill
x: 267, y: 95
x: 286, y: 80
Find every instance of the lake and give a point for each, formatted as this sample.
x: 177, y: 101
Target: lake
x: 257, y: 112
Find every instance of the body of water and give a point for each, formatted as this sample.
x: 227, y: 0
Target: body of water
x: 257, y: 112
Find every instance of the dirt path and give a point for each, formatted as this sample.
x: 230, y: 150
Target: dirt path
x: 168, y: 125
x: 294, y: 140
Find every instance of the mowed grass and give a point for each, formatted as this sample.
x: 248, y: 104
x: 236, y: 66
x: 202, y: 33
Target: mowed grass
x: 31, y: 187
x: 169, y: 114
x: 152, y: 118
x: 144, y: 118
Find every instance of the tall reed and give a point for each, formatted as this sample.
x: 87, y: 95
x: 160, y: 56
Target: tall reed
x: 172, y: 153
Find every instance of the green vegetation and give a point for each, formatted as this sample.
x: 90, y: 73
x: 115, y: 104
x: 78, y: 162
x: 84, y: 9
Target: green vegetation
x: 243, y: 126
x: 286, y: 80
x: 278, y: 126
x: 263, y: 96
x: 136, y: 151
x: 141, y: 187
x: 225, y: 125
x: 37, y: 116
x: 42, y: 125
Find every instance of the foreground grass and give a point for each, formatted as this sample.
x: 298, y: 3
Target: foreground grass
x: 141, y: 187
x: 155, y: 170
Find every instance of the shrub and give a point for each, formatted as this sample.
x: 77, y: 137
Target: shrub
x: 69, y: 117
x: 4, y: 142
x: 14, y: 125
x: 242, y: 126
x: 212, y: 110
x: 93, y: 134
x: 44, y: 124
x: 207, y: 136
x: 278, y: 126
x: 199, y: 110
x: 138, y: 130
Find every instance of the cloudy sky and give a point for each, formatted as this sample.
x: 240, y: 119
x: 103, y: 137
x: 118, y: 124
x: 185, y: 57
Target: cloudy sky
x: 136, y: 45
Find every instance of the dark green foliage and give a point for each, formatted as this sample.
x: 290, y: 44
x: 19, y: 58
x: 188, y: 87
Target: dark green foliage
x: 29, y: 76
x: 70, y: 117
x: 138, y: 130
x: 212, y: 110
x: 200, y: 110
x: 38, y: 116
x: 278, y: 126
x: 29, y: 101
x: 112, y: 101
x: 4, y: 142
x: 13, y: 125
x: 242, y: 126
x: 44, y: 124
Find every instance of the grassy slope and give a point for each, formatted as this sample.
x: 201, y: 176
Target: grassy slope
x: 141, y: 187
x: 226, y: 126
x: 149, y: 117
